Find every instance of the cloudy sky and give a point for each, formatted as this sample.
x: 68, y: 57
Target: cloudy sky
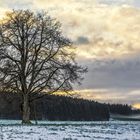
x: 107, y: 36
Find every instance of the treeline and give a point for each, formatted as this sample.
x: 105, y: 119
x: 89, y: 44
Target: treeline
x: 122, y: 109
x: 71, y: 109
x: 136, y: 111
x: 52, y: 107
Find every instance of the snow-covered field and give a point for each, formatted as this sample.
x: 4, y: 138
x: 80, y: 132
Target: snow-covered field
x: 112, y: 130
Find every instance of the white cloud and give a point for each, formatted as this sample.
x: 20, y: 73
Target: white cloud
x: 111, y: 30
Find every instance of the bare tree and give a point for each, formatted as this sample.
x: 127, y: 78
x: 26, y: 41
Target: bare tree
x: 35, y: 57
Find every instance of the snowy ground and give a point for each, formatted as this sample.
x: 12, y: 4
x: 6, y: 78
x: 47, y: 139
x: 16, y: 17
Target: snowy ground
x: 112, y: 130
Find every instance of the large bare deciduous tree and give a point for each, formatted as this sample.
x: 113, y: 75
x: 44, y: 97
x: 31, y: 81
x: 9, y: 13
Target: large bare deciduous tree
x: 35, y: 57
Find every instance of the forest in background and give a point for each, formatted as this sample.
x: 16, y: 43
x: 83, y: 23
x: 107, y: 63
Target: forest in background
x: 61, y: 108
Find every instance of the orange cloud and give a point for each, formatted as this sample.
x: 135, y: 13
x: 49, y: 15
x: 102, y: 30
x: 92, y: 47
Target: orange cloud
x: 137, y: 105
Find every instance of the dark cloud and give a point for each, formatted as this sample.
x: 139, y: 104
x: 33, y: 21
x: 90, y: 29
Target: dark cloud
x: 121, y: 73
x: 82, y: 40
x: 136, y: 3
x: 119, y: 78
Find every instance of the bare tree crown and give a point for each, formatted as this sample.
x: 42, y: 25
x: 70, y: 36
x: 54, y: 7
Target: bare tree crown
x: 34, y: 54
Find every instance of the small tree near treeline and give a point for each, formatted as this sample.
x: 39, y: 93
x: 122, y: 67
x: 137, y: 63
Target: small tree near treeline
x: 35, y: 57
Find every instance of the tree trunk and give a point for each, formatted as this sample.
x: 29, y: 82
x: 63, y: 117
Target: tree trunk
x: 26, y: 110
x: 35, y: 118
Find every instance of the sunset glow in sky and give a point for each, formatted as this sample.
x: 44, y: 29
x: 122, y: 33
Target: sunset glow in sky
x: 107, y: 36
